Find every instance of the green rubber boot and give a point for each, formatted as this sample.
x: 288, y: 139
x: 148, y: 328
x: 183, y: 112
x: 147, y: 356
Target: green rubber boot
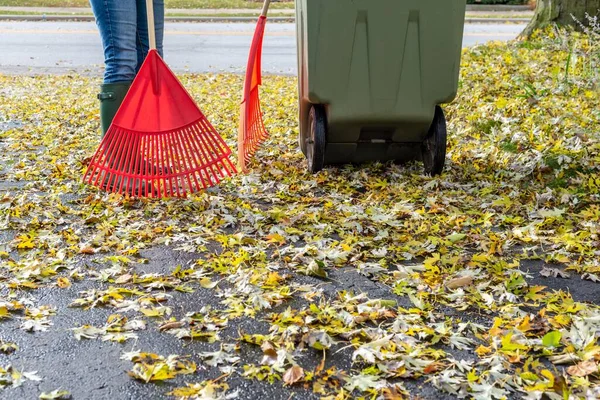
x: 111, y: 96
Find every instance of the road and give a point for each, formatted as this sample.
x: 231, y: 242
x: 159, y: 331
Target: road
x: 47, y: 47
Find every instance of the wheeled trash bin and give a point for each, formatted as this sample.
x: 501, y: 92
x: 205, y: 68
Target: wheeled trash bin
x: 371, y: 77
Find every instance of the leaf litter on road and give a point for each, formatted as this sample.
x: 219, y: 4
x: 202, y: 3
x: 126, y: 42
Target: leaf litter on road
x: 449, y: 280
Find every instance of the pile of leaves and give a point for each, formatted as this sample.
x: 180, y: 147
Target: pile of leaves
x: 362, y: 280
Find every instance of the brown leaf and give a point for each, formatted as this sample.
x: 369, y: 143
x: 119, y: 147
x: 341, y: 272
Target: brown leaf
x: 87, y: 250
x: 270, y: 353
x: 391, y: 393
x: 540, y: 325
x: 170, y: 325
x: 584, y: 368
x: 459, y: 282
x: 92, y: 220
x: 433, y: 367
x: 293, y: 375
x: 321, y: 365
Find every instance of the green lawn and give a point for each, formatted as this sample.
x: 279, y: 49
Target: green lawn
x: 168, y: 3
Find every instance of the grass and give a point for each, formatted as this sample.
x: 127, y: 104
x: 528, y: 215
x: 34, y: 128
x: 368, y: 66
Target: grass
x: 83, y: 13
x: 199, y: 13
x: 168, y: 3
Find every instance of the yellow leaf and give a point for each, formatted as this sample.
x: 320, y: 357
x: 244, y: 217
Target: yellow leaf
x: 25, y: 242
x: 472, y: 376
x: 152, y: 312
x: 547, y: 374
x: 276, y: 238
x: 273, y: 279
x: 560, y: 320
x: 501, y: 102
x: 63, y: 283
x: 509, y: 346
x: 206, y: 283
x: 483, y: 350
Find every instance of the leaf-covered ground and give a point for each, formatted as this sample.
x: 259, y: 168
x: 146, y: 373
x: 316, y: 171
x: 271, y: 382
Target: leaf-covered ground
x: 359, y: 282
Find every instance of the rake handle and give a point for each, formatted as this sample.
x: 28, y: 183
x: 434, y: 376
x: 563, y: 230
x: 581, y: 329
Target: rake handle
x: 151, y: 31
x: 266, y: 4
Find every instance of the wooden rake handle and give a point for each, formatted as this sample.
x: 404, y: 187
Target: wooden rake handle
x: 151, y: 31
x: 266, y: 4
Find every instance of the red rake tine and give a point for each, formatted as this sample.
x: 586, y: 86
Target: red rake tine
x: 248, y: 141
x: 188, y: 159
x: 200, y: 155
x: 153, y: 143
x: 148, y: 150
x: 175, y: 163
x: 211, y: 134
x: 199, y: 150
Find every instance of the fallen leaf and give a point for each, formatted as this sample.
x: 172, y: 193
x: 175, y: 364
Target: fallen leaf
x: 56, y: 395
x: 459, y: 282
x: 87, y: 250
x: 552, y: 339
x: 171, y: 325
x: 554, y: 272
x: 269, y: 354
x: 584, y: 368
x: 63, y: 283
x: 123, y: 279
x: 293, y: 375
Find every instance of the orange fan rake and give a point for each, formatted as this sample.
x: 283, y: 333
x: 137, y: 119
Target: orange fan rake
x: 252, y: 130
x: 159, y: 144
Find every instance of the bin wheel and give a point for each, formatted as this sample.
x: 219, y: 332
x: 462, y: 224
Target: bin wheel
x: 433, y: 149
x: 317, y: 138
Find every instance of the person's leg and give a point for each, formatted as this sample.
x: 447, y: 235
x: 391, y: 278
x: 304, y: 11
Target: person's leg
x: 142, y: 44
x: 117, y: 23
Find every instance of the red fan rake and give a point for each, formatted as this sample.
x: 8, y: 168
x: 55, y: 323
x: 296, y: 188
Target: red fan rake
x: 252, y: 130
x: 159, y: 144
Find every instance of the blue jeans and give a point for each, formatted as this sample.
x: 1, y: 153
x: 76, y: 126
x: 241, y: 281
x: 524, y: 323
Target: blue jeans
x: 123, y: 27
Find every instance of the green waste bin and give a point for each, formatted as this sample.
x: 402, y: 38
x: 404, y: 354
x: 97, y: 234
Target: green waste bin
x: 371, y: 77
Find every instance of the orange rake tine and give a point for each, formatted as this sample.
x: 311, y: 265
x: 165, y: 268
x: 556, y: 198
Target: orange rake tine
x: 249, y: 139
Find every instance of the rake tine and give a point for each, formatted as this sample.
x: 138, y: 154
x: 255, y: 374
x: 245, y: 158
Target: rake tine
x: 195, y: 160
x: 209, y: 144
x: 150, y: 151
x: 200, y: 150
x: 187, y: 159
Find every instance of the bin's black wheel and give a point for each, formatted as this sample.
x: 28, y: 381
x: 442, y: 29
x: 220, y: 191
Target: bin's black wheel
x: 317, y: 138
x: 433, y: 149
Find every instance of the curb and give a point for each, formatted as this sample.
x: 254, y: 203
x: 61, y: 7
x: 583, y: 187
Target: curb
x: 88, y: 18
x: 497, y: 21
x: 496, y: 7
